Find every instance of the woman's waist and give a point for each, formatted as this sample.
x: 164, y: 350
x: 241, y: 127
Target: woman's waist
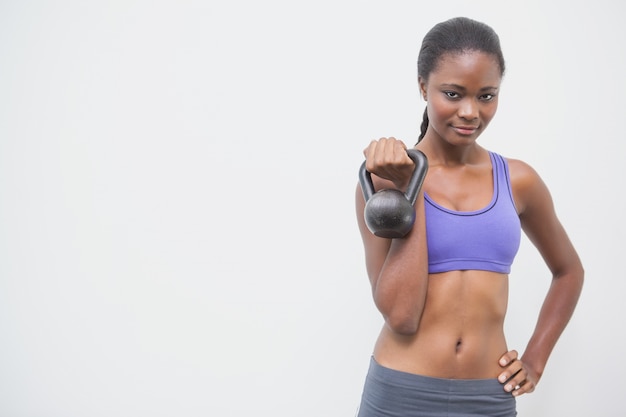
x: 433, y: 383
x: 469, y: 354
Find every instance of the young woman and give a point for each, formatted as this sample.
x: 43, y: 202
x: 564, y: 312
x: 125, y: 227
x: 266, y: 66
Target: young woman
x: 442, y: 289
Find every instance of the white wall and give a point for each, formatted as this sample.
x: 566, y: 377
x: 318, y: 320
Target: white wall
x: 177, y: 232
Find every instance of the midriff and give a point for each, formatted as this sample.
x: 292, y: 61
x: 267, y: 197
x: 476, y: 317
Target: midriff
x: 460, y: 335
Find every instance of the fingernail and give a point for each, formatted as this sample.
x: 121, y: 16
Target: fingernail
x: 508, y: 388
x: 502, y: 362
x: 502, y: 378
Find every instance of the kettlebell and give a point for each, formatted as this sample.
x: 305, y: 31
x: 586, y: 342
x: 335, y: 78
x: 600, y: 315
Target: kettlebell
x: 390, y: 213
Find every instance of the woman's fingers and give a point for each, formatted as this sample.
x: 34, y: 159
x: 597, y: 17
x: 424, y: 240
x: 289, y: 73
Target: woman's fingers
x: 388, y: 159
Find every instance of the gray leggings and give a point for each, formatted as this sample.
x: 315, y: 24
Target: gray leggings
x: 391, y: 393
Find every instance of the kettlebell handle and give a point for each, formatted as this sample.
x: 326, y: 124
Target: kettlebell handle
x: 415, y: 183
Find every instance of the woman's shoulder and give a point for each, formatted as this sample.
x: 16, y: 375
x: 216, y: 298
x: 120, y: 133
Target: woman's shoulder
x: 527, y: 185
x: 521, y: 171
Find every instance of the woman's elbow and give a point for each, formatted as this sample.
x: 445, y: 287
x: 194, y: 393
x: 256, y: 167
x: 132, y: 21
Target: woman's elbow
x: 573, y: 278
x: 581, y: 278
x: 405, y: 324
x: 577, y: 274
x: 402, y: 314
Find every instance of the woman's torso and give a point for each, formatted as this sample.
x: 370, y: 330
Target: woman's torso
x: 461, y: 333
x: 461, y: 330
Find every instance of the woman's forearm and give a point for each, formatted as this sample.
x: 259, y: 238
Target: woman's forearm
x: 554, y: 316
x: 400, y: 288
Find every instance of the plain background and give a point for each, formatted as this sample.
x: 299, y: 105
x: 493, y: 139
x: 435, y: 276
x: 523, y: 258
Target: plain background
x: 177, y: 178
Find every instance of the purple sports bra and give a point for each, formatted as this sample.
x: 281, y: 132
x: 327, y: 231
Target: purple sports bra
x: 486, y: 239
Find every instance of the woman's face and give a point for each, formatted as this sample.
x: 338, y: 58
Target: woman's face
x: 462, y: 96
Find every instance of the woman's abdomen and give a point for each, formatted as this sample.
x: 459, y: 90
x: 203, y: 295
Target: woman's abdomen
x: 460, y: 335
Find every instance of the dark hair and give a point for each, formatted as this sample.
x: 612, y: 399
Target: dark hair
x: 456, y: 35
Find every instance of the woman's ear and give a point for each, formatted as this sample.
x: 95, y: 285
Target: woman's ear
x: 422, y: 85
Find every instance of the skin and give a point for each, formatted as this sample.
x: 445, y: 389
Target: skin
x: 450, y: 325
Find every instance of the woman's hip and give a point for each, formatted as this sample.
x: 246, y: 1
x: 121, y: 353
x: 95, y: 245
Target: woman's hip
x: 388, y: 392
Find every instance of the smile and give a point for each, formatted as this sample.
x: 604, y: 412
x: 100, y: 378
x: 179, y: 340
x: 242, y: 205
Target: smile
x: 465, y: 130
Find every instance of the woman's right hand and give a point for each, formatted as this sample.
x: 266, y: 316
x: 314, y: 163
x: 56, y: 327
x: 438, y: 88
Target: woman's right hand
x: 387, y: 158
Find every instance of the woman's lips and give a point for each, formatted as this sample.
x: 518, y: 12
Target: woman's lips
x: 465, y: 130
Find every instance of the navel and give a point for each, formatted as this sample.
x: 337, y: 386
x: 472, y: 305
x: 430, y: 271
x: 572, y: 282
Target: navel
x: 457, y: 348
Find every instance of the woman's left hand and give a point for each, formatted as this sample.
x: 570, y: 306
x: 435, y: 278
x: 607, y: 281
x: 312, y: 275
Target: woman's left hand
x: 517, y: 378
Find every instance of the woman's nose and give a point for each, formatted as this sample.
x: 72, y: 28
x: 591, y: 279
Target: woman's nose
x: 468, y: 109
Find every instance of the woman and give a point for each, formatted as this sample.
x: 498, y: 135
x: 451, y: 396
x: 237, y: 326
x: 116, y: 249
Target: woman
x: 443, y: 288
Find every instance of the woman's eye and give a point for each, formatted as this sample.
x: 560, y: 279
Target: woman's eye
x: 451, y: 94
x: 487, y: 97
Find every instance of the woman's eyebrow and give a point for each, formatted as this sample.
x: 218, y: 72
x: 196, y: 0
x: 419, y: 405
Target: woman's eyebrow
x: 460, y: 87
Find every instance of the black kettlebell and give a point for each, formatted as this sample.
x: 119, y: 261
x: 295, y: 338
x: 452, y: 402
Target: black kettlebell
x: 390, y: 213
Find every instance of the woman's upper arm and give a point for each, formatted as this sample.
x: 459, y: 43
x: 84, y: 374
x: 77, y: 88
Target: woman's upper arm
x: 539, y: 219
